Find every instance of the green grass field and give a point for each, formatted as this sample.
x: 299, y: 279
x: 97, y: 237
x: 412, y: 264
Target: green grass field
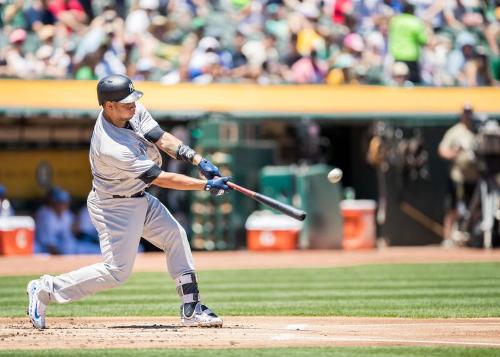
x: 412, y: 290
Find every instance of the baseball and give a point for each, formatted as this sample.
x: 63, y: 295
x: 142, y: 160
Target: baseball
x: 335, y: 175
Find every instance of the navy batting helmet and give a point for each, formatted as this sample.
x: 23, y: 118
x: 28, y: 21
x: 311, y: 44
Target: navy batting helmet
x: 117, y: 88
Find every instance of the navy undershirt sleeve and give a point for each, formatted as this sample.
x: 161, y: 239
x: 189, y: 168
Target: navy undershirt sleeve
x: 154, y: 134
x: 151, y: 174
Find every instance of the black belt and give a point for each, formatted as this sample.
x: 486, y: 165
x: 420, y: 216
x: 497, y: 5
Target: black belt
x: 138, y: 194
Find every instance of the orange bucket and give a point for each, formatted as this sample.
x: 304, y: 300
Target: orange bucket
x: 359, y: 224
x: 17, y: 235
x: 272, y: 232
x: 272, y: 240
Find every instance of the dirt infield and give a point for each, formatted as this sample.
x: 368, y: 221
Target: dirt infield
x: 239, y: 332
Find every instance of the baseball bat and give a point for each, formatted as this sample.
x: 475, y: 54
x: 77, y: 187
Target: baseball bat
x: 268, y: 201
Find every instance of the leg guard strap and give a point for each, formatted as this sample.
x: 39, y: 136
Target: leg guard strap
x: 187, y: 288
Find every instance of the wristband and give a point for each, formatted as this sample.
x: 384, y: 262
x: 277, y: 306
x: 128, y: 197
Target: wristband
x: 185, y: 153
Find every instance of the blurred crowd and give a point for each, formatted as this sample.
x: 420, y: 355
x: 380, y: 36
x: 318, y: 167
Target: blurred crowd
x: 387, y: 42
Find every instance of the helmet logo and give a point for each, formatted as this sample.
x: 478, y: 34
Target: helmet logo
x: 131, y: 87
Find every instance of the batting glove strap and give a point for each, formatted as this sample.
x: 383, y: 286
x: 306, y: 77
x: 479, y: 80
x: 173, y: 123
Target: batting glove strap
x: 217, y: 186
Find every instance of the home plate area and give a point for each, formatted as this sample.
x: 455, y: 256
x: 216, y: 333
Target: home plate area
x: 244, y: 331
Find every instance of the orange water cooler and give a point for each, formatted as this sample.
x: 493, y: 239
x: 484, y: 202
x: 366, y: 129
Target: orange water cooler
x: 359, y: 224
x: 271, y: 232
x: 17, y: 235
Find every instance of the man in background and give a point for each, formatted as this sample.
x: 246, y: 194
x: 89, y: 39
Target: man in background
x: 457, y: 146
x: 407, y: 35
x: 53, y: 225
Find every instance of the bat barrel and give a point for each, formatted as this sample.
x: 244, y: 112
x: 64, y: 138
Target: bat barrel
x: 279, y: 206
x: 268, y: 201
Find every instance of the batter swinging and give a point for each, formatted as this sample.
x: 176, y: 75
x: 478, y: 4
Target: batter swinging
x: 125, y: 160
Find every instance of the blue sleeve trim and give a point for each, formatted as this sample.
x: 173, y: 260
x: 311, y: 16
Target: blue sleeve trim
x: 150, y: 175
x: 154, y: 134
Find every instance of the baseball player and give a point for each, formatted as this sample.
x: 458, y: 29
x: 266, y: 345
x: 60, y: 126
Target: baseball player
x: 125, y: 160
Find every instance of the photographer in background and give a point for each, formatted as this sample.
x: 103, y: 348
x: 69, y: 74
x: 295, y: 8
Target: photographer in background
x: 458, y: 146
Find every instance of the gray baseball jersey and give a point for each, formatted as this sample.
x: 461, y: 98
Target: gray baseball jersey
x: 118, y: 158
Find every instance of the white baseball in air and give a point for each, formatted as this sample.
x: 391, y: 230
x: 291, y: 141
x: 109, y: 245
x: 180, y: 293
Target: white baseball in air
x: 335, y: 175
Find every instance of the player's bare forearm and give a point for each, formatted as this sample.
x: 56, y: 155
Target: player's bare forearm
x: 179, y: 182
x: 170, y: 144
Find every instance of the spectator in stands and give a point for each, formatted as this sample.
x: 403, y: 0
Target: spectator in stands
x: 341, y: 10
x: 204, y: 65
x: 235, y: 59
x: 272, y: 70
x: 93, y: 38
x: 400, y: 75
x: 435, y: 61
x: 156, y: 56
x: 69, y: 13
x: 469, y: 65
x: 308, y: 37
x: 492, y: 33
x: 407, y: 35
x: 481, y: 73
x: 373, y: 56
x: 354, y: 46
x: 52, y: 62
x: 6, y: 209
x: 457, y: 146
x: 276, y: 23
x: 342, y: 71
x: 109, y: 60
x: 53, y: 225
x: 348, y: 61
x: 144, y: 70
x: 38, y: 14
x: 13, y: 15
x: 86, y: 68
x: 255, y: 53
x: 460, y: 14
x: 19, y: 63
x: 309, y: 69
x: 139, y: 18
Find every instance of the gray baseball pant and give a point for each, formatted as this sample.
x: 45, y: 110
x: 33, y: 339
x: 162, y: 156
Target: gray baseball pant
x: 121, y: 222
